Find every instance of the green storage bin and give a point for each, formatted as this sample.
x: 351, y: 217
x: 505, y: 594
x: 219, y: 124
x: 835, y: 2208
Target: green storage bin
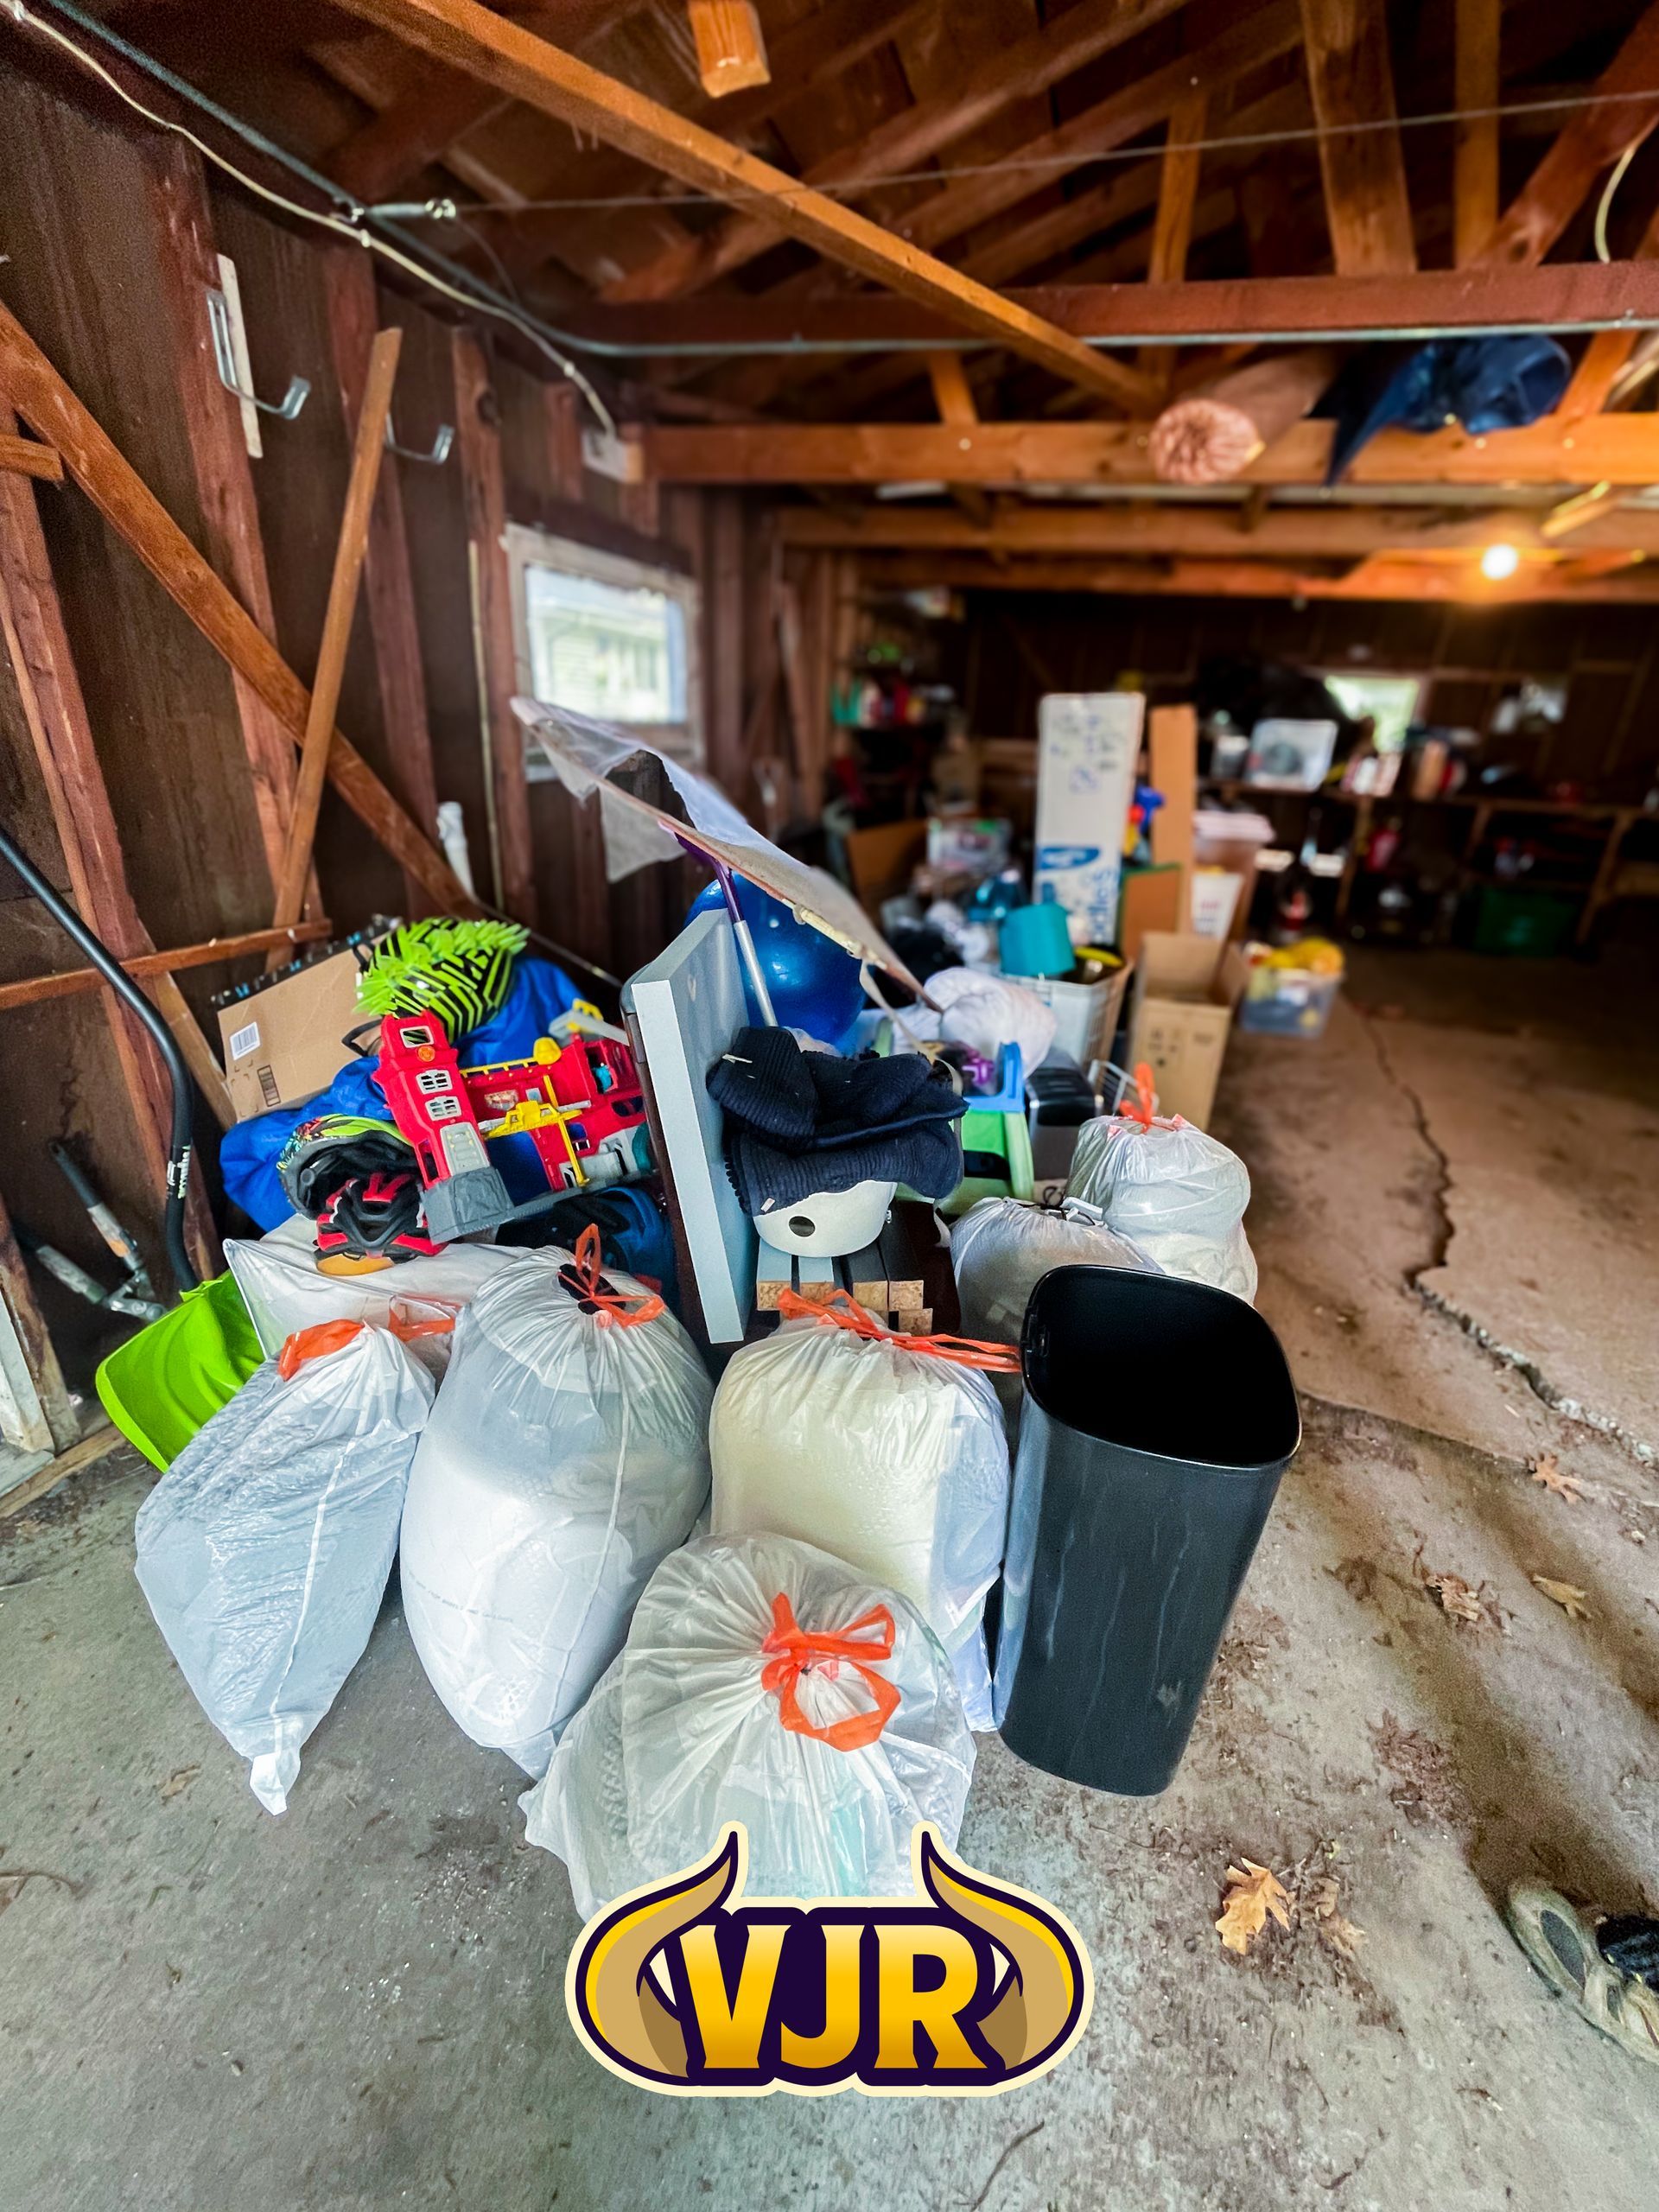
x: 1534, y: 925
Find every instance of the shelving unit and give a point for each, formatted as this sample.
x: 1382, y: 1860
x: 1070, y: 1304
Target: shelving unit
x: 1610, y: 880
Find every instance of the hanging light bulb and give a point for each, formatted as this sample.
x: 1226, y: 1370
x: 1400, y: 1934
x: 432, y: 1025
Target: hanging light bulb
x: 1498, y: 561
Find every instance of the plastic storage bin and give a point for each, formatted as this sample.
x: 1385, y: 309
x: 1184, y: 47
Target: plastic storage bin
x: 1288, y: 1003
x: 1160, y: 1415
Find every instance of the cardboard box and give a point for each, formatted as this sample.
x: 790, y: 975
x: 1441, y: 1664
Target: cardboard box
x: 1088, y: 744
x: 1185, y: 990
x: 1150, y: 900
x: 284, y: 1043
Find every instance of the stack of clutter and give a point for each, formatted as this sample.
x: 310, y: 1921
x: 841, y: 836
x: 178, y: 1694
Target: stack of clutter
x: 813, y: 1665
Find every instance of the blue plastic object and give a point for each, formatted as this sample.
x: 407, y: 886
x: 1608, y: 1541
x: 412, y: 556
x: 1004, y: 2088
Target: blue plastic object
x: 1500, y: 381
x: 814, y: 984
x: 1035, y: 941
x: 539, y: 993
x: 1009, y: 1096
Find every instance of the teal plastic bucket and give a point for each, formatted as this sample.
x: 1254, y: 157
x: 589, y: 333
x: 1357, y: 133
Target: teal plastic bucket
x: 1035, y: 941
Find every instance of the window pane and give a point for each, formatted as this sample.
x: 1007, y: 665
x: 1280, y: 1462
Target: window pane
x: 1391, y: 700
x: 603, y: 649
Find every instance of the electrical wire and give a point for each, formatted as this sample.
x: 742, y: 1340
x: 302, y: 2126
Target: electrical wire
x: 344, y: 225
x: 1042, y: 165
x: 1604, y: 204
x: 389, y: 238
x: 180, y: 1140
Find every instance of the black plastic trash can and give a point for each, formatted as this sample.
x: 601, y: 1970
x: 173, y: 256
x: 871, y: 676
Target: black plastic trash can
x: 1160, y: 1415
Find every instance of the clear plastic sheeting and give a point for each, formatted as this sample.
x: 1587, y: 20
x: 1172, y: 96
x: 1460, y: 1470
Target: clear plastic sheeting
x: 283, y: 1293
x: 1002, y: 1248
x: 683, y: 1733
x: 1178, y: 1193
x: 895, y: 1460
x: 264, y: 1550
x: 568, y: 1452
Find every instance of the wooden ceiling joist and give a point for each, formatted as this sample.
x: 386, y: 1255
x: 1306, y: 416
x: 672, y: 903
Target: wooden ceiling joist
x: 1563, y: 296
x: 1351, y: 79
x: 471, y: 38
x: 1381, y: 579
x: 1623, y: 449
x: 1020, y: 72
x: 1120, y: 531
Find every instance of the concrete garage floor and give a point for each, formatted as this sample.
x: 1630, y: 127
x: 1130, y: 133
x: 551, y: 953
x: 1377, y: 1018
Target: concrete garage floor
x: 361, y: 2004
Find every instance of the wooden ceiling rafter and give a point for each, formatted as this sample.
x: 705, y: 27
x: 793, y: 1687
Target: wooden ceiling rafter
x: 497, y: 52
x: 1592, y: 140
x: 1080, y: 36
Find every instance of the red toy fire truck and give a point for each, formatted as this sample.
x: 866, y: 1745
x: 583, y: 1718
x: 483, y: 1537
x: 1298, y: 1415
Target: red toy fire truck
x: 579, y: 1100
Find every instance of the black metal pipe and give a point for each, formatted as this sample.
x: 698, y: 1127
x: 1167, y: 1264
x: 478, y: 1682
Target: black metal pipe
x: 179, y: 1148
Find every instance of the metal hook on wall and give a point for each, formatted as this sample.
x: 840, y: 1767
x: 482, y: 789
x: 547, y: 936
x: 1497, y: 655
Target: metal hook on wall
x: 219, y: 319
x: 440, y: 444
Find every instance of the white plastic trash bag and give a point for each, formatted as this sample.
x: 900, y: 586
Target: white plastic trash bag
x: 1002, y: 1248
x: 283, y: 1293
x: 766, y: 1682
x: 568, y: 1452
x: 264, y: 1550
x: 1178, y: 1193
x: 885, y: 1450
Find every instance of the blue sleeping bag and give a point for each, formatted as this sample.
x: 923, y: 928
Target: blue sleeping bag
x: 538, y: 994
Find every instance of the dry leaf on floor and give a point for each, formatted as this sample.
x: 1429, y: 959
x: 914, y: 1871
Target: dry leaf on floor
x: 1456, y: 1597
x: 1547, y: 1469
x: 1570, y: 1600
x: 181, y: 1779
x: 1251, y: 1893
x: 1321, y: 1903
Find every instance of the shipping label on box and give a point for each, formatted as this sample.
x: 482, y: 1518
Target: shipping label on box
x: 1088, y: 745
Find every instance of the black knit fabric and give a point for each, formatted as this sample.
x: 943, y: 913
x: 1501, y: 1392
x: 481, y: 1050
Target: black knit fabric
x: 873, y: 1119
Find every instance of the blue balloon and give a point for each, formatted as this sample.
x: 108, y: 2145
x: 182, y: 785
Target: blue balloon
x: 814, y: 984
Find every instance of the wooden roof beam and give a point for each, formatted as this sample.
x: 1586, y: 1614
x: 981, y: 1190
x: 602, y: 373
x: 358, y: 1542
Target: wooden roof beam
x: 1459, y: 582
x: 1351, y: 79
x: 470, y: 37
x: 1591, y: 143
x: 1257, y: 36
x: 1023, y: 71
x: 1160, y: 530
x: 1563, y: 296
x: 1622, y: 448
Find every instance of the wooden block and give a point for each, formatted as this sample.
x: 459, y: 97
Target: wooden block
x: 816, y: 1279
x: 916, y: 1323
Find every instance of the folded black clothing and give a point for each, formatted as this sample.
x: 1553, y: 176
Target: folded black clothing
x: 767, y: 1086
x: 924, y: 1154
x: 760, y: 1081
x: 874, y: 1092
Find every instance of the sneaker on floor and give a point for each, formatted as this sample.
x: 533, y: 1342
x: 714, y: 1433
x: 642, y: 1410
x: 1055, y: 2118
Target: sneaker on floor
x: 1608, y: 1968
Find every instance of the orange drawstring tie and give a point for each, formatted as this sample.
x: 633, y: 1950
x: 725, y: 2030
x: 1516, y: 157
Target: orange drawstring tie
x: 1142, y: 1107
x: 799, y: 1651
x: 628, y: 1312
x: 841, y: 1311
x: 324, y: 1337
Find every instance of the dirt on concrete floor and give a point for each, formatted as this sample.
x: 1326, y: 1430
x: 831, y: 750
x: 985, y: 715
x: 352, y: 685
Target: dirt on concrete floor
x: 361, y: 2004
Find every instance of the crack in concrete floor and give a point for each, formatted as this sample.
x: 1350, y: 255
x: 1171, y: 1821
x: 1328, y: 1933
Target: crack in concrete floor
x: 1440, y: 1201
